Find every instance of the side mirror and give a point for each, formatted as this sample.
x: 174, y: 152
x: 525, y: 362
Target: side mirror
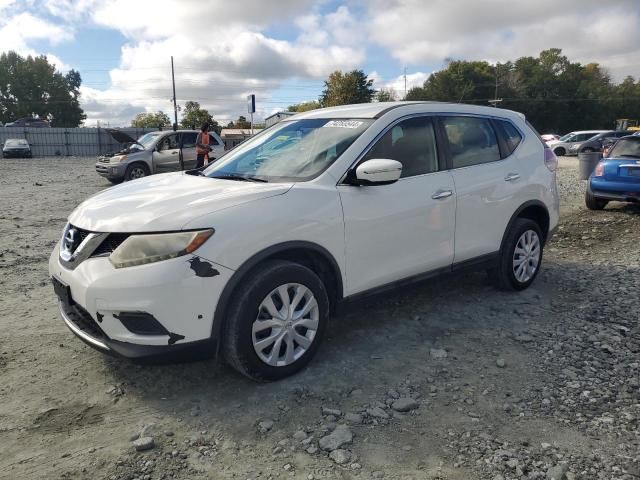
x: 378, y: 171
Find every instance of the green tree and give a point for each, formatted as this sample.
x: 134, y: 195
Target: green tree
x: 386, y: 95
x: 304, y: 106
x: 241, y: 122
x: 346, y: 88
x: 31, y: 86
x: 194, y: 117
x: 158, y: 119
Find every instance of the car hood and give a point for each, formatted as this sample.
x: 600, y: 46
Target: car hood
x: 120, y: 136
x: 165, y: 202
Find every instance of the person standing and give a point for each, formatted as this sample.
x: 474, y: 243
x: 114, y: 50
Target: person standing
x: 203, y: 146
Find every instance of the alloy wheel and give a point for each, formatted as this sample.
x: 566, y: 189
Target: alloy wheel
x: 526, y: 256
x: 137, y: 172
x: 286, y: 324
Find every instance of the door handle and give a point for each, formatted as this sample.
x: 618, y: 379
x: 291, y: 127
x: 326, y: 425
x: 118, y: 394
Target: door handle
x: 440, y: 194
x: 511, y: 177
x: 174, y: 153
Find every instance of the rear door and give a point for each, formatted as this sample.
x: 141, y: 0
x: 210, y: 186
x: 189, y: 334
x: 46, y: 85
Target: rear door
x: 189, y: 155
x: 166, y: 157
x: 487, y: 180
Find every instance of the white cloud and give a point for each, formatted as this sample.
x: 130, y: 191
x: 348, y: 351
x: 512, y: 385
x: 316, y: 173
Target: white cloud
x: 419, y: 32
x: 18, y: 30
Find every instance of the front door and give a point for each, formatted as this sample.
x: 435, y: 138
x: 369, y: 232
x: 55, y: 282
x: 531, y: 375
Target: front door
x: 166, y: 158
x: 406, y: 228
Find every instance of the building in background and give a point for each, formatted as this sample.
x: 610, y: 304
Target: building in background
x: 235, y: 136
x: 276, y: 117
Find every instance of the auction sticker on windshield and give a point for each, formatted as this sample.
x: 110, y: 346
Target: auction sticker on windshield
x: 343, y: 124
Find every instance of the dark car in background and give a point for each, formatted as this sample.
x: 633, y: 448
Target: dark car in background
x: 28, y: 122
x: 596, y: 143
x: 16, y: 147
x: 616, y: 177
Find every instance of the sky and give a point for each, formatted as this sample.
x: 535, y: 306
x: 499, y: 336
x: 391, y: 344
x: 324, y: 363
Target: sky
x: 283, y: 50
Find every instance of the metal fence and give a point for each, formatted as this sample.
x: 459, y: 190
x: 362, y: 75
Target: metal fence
x: 69, y: 141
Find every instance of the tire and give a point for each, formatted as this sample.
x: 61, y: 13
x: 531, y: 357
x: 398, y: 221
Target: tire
x: 594, y: 203
x: 523, y: 232
x: 560, y: 152
x: 243, y: 332
x: 135, y: 171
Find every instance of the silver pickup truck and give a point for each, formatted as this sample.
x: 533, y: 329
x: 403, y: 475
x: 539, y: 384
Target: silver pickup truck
x: 154, y: 152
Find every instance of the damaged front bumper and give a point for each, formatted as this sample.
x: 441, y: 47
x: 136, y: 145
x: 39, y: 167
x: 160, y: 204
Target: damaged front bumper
x: 143, y: 311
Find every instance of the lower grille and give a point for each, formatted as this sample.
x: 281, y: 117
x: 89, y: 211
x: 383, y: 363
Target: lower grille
x: 83, y: 320
x: 110, y: 243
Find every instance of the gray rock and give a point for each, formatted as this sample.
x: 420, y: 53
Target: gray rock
x: 405, y: 404
x: 340, y: 456
x: 312, y: 450
x: 377, y: 412
x: 144, y: 443
x: 339, y: 437
x: 559, y: 472
x: 299, y: 435
x: 331, y: 411
x: 524, y: 338
x: 438, y: 353
x: 353, y: 418
x: 501, y: 363
x: 265, y: 426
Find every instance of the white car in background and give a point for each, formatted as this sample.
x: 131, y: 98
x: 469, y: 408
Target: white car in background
x: 250, y: 255
x: 569, y: 144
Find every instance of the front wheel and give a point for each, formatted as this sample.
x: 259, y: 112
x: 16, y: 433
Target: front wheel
x: 559, y: 152
x: 520, y: 257
x: 136, y: 170
x: 275, y: 321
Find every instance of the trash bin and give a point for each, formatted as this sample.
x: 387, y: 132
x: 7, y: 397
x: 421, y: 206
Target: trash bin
x: 587, y: 162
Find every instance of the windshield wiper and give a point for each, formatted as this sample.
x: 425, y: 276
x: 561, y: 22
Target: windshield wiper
x: 241, y: 178
x: 629, y: 155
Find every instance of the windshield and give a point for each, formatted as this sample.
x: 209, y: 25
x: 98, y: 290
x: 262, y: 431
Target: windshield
x: 147, y: 139
x: 15, y: 143
x: 296, y: 150
x: 567, y: 137
x: 626, y: 148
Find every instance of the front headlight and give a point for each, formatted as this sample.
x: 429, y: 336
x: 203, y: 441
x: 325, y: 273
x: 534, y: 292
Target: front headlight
x: 118, y: 159
x: 155, y: 247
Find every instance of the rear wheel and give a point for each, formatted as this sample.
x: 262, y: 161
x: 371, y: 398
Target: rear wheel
x: 275, y: 322
x: 520, y: 257
x: 594, y: 203
x: 560, y: 152
x: 136, y: 170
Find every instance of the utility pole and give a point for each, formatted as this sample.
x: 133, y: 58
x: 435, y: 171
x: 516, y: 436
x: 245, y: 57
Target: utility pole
x: 405, y: 84
x: 175, y: 105
x: 496, y: 100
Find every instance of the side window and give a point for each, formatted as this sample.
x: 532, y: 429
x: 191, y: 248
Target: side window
x: 413, y: 143
x: 472, y: 141
x: 170, y: 142
x: 189, y: 139
x: 511, y: 136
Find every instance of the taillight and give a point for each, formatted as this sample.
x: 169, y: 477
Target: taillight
x: 550, y: 159
x: 599, y: 171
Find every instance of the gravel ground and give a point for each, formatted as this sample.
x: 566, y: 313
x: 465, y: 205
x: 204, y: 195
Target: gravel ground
x: 449, y: 379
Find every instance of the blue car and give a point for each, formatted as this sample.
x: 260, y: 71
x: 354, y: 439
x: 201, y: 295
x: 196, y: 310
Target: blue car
x: 617, y: 176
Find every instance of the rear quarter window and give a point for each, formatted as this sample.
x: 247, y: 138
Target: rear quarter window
x: 511, y: 135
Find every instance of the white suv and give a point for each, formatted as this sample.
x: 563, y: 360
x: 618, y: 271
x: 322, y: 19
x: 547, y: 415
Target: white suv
x: 251, y: 255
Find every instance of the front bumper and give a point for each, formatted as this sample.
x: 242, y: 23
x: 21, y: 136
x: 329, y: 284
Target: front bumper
x: 16, y: 153
x: 106, y: 304
x: 113, y: 171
